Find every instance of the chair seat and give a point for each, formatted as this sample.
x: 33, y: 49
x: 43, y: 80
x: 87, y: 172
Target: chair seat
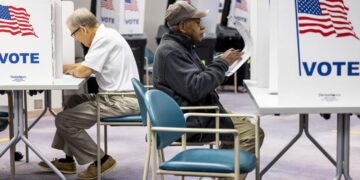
x: 4, y: 111
x: 130, y: 118
x: 210, y: 160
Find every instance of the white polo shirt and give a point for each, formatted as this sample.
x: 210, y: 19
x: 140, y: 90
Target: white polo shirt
x: 112, y: 60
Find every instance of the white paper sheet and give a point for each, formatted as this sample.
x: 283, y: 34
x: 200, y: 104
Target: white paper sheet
x: 245, y: 34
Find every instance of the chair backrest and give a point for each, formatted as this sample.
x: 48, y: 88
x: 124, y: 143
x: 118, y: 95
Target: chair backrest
x: 140, y: 93
x: 149, y: 56
x: 164, y: 112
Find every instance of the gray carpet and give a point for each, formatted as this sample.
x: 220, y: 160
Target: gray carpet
x: 126, y: 144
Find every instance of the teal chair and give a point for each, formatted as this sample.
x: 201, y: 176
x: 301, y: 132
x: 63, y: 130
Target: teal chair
x: 168, y: 125
x: 140, y: 94
x: 140, y: 91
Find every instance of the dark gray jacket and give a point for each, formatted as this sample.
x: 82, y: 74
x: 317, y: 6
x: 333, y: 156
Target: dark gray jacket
x: 179, y: 72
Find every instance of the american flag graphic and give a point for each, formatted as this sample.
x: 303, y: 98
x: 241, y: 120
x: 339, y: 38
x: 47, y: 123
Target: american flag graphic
x: 241, y: 4
x: 326, y: 17
x: 107, y: 4
x: 15, y: 21
x: 131, y: 5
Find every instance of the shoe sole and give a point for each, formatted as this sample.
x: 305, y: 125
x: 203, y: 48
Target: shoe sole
x: 101, y: 173
x: 62, y: 171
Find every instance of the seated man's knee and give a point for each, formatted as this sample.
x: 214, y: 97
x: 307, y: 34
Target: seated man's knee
x: 261, y: 136
x: 59, y: 120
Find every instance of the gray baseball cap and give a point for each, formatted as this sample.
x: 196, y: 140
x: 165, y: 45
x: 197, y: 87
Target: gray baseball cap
x: 182, y: 10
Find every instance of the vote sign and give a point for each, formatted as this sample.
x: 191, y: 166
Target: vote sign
x: 319, y: 52
x: 26, y: 51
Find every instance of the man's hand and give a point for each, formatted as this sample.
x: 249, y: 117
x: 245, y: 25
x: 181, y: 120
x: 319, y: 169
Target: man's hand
x: 77, y: 70
x: 231, y: 55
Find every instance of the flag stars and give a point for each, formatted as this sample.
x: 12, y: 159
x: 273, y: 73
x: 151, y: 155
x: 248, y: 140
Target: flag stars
x: 309, y: 7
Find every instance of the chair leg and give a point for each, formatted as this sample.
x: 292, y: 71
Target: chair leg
x: 105, y: 139
x: 147, y: 75
x: 235, y: 83
x: 153, y: 154
x: 257, y: 148
x: 98, y: 153
x: 161, y: 156
x: 147, y: 157
x: 161, y: 160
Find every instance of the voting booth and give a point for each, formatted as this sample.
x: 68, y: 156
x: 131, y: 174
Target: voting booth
x: 206, y: 48
x: 314, y: 54
x: 127, y: 17
x: 31, y: 41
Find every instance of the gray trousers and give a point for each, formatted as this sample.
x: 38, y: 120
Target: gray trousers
x: 80, y: 114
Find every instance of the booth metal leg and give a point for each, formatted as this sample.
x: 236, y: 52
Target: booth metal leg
x: 11, y: 134
x: 26, y: 129
x: 303, y: 127
x: 19, y: 133
x: 343, y: 144
x: 47, y: 102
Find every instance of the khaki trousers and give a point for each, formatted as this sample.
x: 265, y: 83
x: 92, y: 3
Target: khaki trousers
x: 247, y: 136
x: 80, y: 114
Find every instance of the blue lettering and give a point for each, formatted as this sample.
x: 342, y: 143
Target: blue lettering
x: 34, y: 58
x: 107, y: 20
x: 352, y: 67
x: 338, y: 67
x: 327, y: 70
x: 239, y: 18
x: 24, y: 56
x: 310, y: 71
x: 16, y: 58
x: 132, y: 21
x: 3, y: 59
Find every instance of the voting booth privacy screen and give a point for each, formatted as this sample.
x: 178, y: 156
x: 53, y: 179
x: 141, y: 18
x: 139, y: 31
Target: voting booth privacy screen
x: 126, y: 16
x: 240, y: 10
x: 317, y: 50
x: 27, y: 49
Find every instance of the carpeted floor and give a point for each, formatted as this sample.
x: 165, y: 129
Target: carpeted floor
x: 126, y: 144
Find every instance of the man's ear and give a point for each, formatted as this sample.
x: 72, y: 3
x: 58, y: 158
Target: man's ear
x: 182, y: 28
x: 84, y: 29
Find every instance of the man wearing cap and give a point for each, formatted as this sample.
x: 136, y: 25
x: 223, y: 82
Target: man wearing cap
x: 179, y: 72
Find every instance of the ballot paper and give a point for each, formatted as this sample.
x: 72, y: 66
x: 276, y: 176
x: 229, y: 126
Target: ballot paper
x: 245, y: 34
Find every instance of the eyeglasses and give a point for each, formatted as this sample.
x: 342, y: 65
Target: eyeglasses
x: 195, y: 20
x: 74, y: 32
